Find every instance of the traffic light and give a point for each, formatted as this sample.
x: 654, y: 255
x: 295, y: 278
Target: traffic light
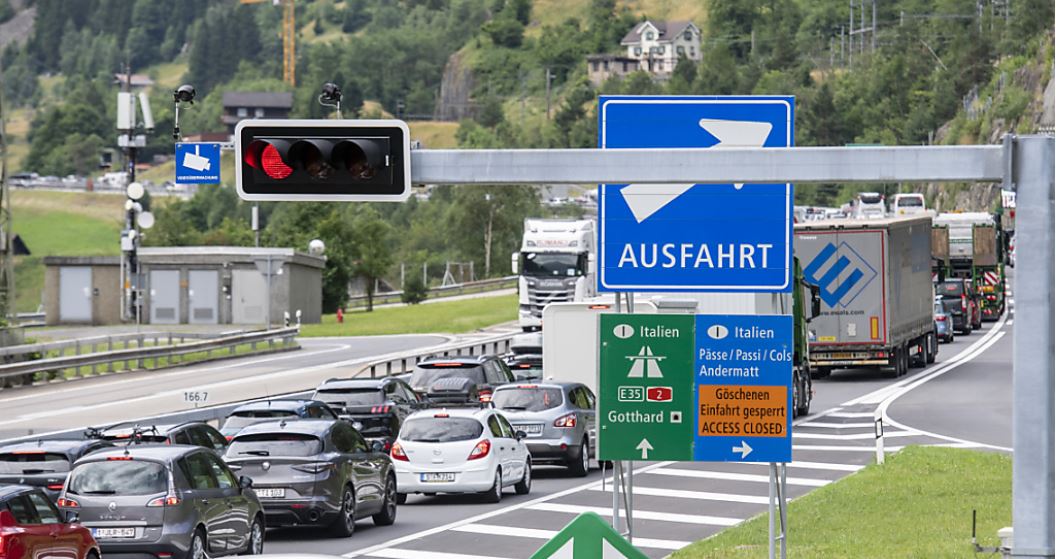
x: 323, y: 160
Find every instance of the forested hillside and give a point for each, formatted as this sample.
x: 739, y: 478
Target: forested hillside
x: 952, y: 71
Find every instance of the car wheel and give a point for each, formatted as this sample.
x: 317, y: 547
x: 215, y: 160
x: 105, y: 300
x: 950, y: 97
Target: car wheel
x: 345, y: 524
x: 525, y: 485
x: 820, y: 372
x: 401, y: 498
x: 255, y: 545
x: 580, y: 465
x: 933, y: 347
x: 494, y: 495
x: 388, y: 508
x: 803, y: 407
x: 197, y: 548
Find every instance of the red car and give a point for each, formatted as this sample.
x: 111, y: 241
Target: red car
x: 31, y: 527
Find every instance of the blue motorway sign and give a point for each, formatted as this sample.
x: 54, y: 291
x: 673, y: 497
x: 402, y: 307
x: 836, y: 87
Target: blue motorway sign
x: 198, y: 163
x: 690, y: 237
x: 743, y: 388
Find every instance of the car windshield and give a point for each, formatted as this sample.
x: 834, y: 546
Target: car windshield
x: 527, y: 398
x: 911, y: 201
x: 33, y: 462
x: 275, y: 444
x: 550, y: 264
x: 351, y: 396
x: 241, y: 419
x: 952, y: 288
x: 424, y: 377
x: 119, y: 477
x: 441, y: 429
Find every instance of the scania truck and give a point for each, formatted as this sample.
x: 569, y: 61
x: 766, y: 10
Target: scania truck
x: 877, y: 299
x: 555, y: 265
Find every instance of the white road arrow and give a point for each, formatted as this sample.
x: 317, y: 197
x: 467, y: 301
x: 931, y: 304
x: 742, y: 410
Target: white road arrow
x: 744, y: 449
x: 647, y: 199
x: 645, y: 447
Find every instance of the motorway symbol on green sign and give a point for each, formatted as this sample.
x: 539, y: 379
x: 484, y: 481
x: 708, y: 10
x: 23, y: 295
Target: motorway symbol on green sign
x: 646, y: 387
x: 588, y: 537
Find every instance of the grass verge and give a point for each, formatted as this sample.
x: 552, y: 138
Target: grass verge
x: 918, y: 504
x: 452, y: 317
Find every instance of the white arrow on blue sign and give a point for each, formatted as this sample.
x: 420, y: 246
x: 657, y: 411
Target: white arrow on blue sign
x: 689, y: 237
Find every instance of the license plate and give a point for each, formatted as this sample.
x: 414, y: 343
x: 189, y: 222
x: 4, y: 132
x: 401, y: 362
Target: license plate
x: 438, y: 477
x: 114, y: 532
x: 270, y: 493
x: 530, y: 428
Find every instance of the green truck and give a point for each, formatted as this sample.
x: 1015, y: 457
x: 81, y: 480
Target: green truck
x: 971, y: 246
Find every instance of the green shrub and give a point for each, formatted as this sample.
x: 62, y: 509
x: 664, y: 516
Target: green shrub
x: 1013, y: 102
x: 414, y: 290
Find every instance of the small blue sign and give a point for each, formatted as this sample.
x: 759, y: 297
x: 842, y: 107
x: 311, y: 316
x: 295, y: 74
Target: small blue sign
x: 198, y: 163
x: 690, y: 237
x: 744, y: 388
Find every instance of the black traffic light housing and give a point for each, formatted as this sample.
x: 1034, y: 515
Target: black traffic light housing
x: 323, y: 160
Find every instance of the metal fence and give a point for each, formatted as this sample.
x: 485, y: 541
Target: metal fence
x: 481, y: 286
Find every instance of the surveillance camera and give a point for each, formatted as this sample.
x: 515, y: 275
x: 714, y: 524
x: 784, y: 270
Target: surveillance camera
x: 331, y: 92
x: 185, y: 93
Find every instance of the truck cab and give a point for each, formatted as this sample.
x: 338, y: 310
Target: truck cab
x: 555, y: 265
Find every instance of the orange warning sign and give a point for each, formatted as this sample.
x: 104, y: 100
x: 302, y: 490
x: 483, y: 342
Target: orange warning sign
x: 738, y: 410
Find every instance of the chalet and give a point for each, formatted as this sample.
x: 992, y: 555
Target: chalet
x: 240, y: 105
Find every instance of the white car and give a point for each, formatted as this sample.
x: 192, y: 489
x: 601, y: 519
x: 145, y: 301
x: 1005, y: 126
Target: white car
x: 908, y: 204
x: 465, y: 450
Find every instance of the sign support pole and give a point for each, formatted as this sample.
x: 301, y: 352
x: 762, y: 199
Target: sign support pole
x: 770, y: 509
x: 628, y: 495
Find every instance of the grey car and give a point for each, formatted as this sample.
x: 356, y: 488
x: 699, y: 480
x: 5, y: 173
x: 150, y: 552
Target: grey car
x: 316, y: 472
x: 271, y: 410
x: 177, y: 501
x: 558, y: 417
x: 44, y: 463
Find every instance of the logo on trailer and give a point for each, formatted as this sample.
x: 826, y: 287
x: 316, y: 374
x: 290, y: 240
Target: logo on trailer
x: 658, y: 394
x: 847, y: 264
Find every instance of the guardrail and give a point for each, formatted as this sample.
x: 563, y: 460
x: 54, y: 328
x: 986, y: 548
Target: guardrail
x: 439, y: 292
x: 149, y: 346
x: 494, y: 345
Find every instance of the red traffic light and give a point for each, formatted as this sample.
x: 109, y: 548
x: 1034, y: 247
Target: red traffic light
x: 323, y: 160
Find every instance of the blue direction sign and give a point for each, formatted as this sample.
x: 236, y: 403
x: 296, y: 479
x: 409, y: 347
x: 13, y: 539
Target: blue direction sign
x: 689, y: 237
x: 743, y: 388
x: 198, y: 163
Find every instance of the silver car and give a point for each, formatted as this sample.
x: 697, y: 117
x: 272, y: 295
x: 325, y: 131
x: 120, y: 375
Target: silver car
x: 559, y: 419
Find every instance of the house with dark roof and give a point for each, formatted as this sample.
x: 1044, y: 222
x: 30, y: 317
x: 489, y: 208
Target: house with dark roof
x: 656, y: 47
x: 240, y: 105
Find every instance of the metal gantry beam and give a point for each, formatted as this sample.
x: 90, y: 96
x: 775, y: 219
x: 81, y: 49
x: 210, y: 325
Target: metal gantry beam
x: 1025, y: 163
x: 702, y: 165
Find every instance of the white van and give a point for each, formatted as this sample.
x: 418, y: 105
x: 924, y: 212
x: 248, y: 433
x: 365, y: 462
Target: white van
x: 908, y: 204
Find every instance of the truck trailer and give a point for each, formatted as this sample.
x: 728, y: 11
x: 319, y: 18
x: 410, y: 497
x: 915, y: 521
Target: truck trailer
x: 972, y: 245
x: 555, y: 265
x: 874, y: 280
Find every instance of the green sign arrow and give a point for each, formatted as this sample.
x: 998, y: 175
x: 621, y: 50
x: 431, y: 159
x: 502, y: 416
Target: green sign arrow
x: 588, y: 537
x: 645, y: 389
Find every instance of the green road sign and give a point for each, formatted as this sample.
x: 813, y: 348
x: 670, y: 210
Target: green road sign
x: 588, y: 537
x: 645, y: 387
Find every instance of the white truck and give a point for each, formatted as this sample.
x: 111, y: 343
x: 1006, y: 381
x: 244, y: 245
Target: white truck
x: 555, y: 265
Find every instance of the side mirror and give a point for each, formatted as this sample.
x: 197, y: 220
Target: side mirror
x: 72, y: 516
x: 520, y: 435
x: 377, y: 446
x: 590, y: 263
x: 245, y: 482
x: 515, y: 263
x: 815, y: 302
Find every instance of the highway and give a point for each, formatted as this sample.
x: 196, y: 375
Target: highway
x: 963, y: 400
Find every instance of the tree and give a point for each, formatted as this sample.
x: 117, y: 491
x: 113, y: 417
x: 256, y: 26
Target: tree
x: 504, y: 31
x: 373, y: 254
x: 414, y: 290
x: 488, y: 220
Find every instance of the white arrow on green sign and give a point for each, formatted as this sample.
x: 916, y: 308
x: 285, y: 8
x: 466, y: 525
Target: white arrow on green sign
x: 588, y: 536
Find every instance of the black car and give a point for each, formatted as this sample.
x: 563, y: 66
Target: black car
x: 460, y: 379
x: 195, y: 433
x: 525, y: 366
x: 159, y: 501
x: 270, y: 410
x: 376, y: 407
x: 45, y: 463
x: 316, y: 472
x: 965, y: 304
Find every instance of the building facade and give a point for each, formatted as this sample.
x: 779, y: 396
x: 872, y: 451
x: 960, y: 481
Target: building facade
x: 654, y: 47
x: 242, y: 105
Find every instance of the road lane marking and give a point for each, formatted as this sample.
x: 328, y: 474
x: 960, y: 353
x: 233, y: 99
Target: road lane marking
x: 418, y: 554
x: 686, y: 494
x: 833, y: 448
x: 850, y: 414
x: 642, y: 514
x: 1009, y: 323
x: 852, y: 436
x: 825, y: 425
x: 490, y: 514
x: 803, y: 465
x: 549, y: 534
x: 731, y: 476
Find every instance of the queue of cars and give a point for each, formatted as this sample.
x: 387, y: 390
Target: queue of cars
x: 354, y: 450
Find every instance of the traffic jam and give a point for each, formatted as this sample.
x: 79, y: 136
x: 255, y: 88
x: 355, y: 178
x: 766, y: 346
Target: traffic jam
x: 358, y: 448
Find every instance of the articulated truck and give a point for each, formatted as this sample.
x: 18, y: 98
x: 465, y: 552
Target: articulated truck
x: 874, y: 280
x: 555, y: 265
x: 971, y: 246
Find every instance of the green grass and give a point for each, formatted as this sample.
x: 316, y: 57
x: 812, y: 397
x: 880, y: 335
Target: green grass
x: 60, y: 224
x: 918, y: 504
x: 452, y: 317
